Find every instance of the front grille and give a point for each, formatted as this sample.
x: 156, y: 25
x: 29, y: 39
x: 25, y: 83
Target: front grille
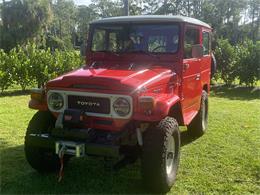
x: 89, y: 104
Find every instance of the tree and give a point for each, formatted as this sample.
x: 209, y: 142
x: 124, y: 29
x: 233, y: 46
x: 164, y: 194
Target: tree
x: 151, y: 6
x: 254, y: 14
x: 22, y: 67
x: 107, y: 8
x: 62, y: 29
x: 227, y: 59
x: 6, y: 71
x: 85, y: 15
x: 135, y: 7
x: 23, y: 20
x: 248, y: 67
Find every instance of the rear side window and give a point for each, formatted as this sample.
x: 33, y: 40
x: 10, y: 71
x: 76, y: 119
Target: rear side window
x: 191, y: 38
x: 205, y: 43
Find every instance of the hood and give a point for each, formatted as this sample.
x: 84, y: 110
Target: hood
x: 110, y: 79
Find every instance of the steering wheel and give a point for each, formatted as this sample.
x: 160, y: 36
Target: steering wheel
x: 158, y: 47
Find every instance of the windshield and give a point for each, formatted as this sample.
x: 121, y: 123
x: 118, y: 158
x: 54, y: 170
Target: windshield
x: 154, y: 38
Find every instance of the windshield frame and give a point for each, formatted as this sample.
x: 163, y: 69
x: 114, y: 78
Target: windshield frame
x: 93, y: 27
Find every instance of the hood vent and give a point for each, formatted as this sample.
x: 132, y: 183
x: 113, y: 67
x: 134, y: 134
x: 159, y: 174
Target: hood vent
x: 88, y: 86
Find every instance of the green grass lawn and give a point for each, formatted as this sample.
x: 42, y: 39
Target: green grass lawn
x: 225, y: 160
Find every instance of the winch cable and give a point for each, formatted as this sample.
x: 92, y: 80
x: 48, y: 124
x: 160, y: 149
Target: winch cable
x: 61, y: 157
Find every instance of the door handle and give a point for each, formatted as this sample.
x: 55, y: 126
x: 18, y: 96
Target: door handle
x: 197, y: 77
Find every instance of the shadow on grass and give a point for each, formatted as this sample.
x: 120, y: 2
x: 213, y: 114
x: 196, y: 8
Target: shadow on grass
x: 188, y: 138
x: 85, y: 175
x: 14, y: 93
x: 236, y: 92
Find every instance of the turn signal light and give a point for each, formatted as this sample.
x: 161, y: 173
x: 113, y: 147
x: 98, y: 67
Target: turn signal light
x: 146, y: 104
x: 37, y: 94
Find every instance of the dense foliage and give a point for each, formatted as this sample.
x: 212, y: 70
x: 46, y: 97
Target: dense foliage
x: 28, y: 65
x: 248, y: 67
x: 227, y: 59
x: 22, y: 21
x: 6, y: 71
x: 241, y: 62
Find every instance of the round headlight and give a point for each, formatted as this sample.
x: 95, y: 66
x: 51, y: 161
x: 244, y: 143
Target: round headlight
x: 55, y: 101
x: 121, y: 106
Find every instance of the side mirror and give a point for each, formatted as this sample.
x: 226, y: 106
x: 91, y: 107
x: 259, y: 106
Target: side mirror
x: 197, y: 51
x: 83, y: 49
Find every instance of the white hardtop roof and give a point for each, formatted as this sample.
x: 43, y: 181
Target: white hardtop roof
x: 150, y: 18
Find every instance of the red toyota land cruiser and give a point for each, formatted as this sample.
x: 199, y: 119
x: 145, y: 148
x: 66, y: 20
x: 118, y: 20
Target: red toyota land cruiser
x: 144, y: 77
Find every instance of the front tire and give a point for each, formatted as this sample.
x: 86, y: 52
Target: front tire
x: 199, y: 124
x: 41, y: 159
x: 160, y: 156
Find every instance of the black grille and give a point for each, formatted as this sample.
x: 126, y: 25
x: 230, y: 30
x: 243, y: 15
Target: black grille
x: 89, y: 104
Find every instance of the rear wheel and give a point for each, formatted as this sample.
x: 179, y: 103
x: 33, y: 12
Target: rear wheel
x: 41, y: 159
x: 160, y: 156
x: 199, y: 124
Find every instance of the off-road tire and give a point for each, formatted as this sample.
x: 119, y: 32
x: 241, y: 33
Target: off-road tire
x: 154, y: 154
x: 199, y: 124
x: 42, y: 159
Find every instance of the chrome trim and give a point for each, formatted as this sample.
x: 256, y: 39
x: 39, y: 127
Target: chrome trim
x: 112, y: 98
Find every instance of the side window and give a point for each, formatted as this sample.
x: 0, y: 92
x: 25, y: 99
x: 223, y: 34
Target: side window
x: 191, y: 38
x: 205, y: 43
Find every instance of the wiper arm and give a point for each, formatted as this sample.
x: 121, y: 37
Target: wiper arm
x: 95, y: 64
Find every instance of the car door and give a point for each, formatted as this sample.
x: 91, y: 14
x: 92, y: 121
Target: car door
x: 191, y: 84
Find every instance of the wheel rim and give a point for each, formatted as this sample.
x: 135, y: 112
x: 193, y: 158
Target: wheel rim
x: 170, y: 153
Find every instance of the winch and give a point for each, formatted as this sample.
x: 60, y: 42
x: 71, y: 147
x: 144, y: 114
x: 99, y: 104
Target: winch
x: 70, y: 148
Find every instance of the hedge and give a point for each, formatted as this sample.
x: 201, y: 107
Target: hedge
x: 239, y: 62
x: 28, y: 65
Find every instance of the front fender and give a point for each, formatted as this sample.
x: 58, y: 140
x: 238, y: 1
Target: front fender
x: 163, y: 104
